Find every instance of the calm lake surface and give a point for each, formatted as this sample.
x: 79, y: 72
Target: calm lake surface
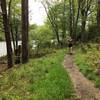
x: 3, y: 50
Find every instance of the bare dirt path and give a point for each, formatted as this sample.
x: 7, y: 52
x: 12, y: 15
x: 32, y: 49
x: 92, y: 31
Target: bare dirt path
x: 85, y: 89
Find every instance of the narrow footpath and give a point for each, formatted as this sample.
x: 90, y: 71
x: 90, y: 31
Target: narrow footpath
x: 84, y: 88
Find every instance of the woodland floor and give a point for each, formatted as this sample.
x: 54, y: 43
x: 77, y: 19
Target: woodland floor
x: 85, y: 89
x: 3, y: 67
x: 3, y: 64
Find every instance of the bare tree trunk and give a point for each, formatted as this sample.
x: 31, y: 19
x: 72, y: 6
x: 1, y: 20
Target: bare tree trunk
x: 64, y: 20
x: 25, y: 25
x: 10, y: 23
x: 77, y: 18
x: 16, y: 37
x: 83, y: 28
x: 98, y: 13
x: 7, y: 33
x: 70, y: 18
x: 73, y: 15
x: 12, y: 34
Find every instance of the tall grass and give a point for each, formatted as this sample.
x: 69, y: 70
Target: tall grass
x: 41, y: 79
x: 86, y: 63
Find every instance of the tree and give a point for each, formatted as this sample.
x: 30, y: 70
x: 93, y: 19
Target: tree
x: 25, y: 25
x: 52, y: 18
x: 71, y: 18
x: 85, y: 7
x: 14, y: 21
x: 10, y: 24
x: 74, y: 15
x: 64, y: 20
x: 57, y: 13
x: 7, y: 33
x: 98, y: 13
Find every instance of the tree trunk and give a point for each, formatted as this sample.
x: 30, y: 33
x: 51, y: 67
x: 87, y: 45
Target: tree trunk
x: 83, y: 30
x: 83, y: 24
x: 10, y: 23
x: 25, y: 31
x: 85, y: 7
x: 12, y: 34
x: 64, y: 21
x: 16, y: 38
x: 98, y: 13
x: 7, y: 33
x: 70, y: 18
x: 77, y: 18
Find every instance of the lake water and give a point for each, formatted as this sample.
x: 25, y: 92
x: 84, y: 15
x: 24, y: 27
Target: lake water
x: 3, y: 50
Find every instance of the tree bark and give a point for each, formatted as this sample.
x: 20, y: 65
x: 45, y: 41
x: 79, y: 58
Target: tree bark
x: 64, y: 21
x: 10, y: 23
x: 98, y: 13
x: 77, y: 18
x: 70, y: 18
x: 25, y: 25
x: 7, y: 33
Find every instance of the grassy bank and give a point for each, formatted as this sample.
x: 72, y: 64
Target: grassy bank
x: 40, y: 79
x: 88, y: 61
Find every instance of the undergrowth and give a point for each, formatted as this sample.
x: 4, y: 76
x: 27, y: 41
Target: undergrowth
x: 89, y: 63
x: 41, y: 79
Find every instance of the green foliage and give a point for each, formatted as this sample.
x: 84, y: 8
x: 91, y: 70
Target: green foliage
x: 93, y: 33
x: 2, y: 36
x: 42, y: 35
x: 1, y: 30
x: 15, y: 18
x: 59, y: 15
x: 40, y: 79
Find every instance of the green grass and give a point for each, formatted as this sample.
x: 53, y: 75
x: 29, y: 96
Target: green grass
x: 41, y: 79
x: 86, y: 66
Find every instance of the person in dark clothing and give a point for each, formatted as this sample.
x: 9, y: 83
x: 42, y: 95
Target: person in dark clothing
x: 70, y: 46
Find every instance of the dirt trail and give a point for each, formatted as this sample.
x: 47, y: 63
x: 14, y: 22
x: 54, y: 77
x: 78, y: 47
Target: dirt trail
x: 85, y: 89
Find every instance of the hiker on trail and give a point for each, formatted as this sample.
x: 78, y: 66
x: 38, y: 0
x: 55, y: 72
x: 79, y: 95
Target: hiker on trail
x: 70, y: 45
